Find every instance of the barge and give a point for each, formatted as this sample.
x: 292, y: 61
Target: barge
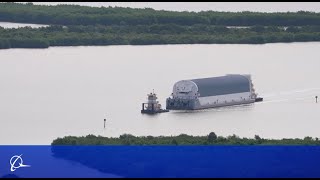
x: 194, y: 94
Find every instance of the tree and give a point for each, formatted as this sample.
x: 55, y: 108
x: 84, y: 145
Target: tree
x: 174, y: 141
x: 307, y: 138
x: 257, y: 29
x: 212, y: 137
x: 258, y: 139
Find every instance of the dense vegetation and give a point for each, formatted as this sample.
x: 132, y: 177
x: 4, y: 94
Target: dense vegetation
x: 73, y: 25
x: 151, y: 34
x: 81, y: 15
x: 183, y: 139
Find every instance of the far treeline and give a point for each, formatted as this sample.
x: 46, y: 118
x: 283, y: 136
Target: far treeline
x: 183, y: 139
x: 82, y: 15
x: 58, y: 35
x: 74, y: 25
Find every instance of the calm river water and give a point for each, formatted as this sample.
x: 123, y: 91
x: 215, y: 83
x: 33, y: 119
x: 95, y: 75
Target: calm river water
x: 61, y: 91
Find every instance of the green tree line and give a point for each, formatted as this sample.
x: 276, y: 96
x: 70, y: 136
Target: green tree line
x: 82, y: 15
x: 182, y: 139
x: 76, y: 35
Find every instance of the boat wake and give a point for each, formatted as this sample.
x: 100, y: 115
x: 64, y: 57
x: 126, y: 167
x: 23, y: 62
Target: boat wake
x: 295, y: 95
x: 267, y: 95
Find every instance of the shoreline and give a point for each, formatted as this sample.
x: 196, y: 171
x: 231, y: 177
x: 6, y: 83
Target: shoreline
x: 182, y: 139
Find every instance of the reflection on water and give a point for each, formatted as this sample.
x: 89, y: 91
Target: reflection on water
x: 61, y: 91
x: 18, y: 25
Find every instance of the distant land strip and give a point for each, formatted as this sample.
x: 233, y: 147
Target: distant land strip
x: 74, y: 25
x: 84, y: 15
x: 182, y: 139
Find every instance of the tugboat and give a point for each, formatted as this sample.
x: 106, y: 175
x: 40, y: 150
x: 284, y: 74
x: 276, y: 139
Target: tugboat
x: 152, y: 106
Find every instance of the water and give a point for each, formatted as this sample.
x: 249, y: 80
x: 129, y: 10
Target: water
x: 206, y: 6
x: 18, y: 25
x: 60, y: 91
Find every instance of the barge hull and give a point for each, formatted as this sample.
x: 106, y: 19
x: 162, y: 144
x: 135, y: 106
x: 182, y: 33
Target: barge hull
x: 210, y: 106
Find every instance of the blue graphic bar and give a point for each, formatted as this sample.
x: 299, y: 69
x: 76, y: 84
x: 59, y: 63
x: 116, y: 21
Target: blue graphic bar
x: 160, y: 161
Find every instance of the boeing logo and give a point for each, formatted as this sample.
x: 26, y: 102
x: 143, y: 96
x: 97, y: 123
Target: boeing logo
x: 16, y: 162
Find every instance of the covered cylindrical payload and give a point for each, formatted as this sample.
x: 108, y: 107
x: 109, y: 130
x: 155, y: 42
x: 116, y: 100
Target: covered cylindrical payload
x: 232, y: 89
